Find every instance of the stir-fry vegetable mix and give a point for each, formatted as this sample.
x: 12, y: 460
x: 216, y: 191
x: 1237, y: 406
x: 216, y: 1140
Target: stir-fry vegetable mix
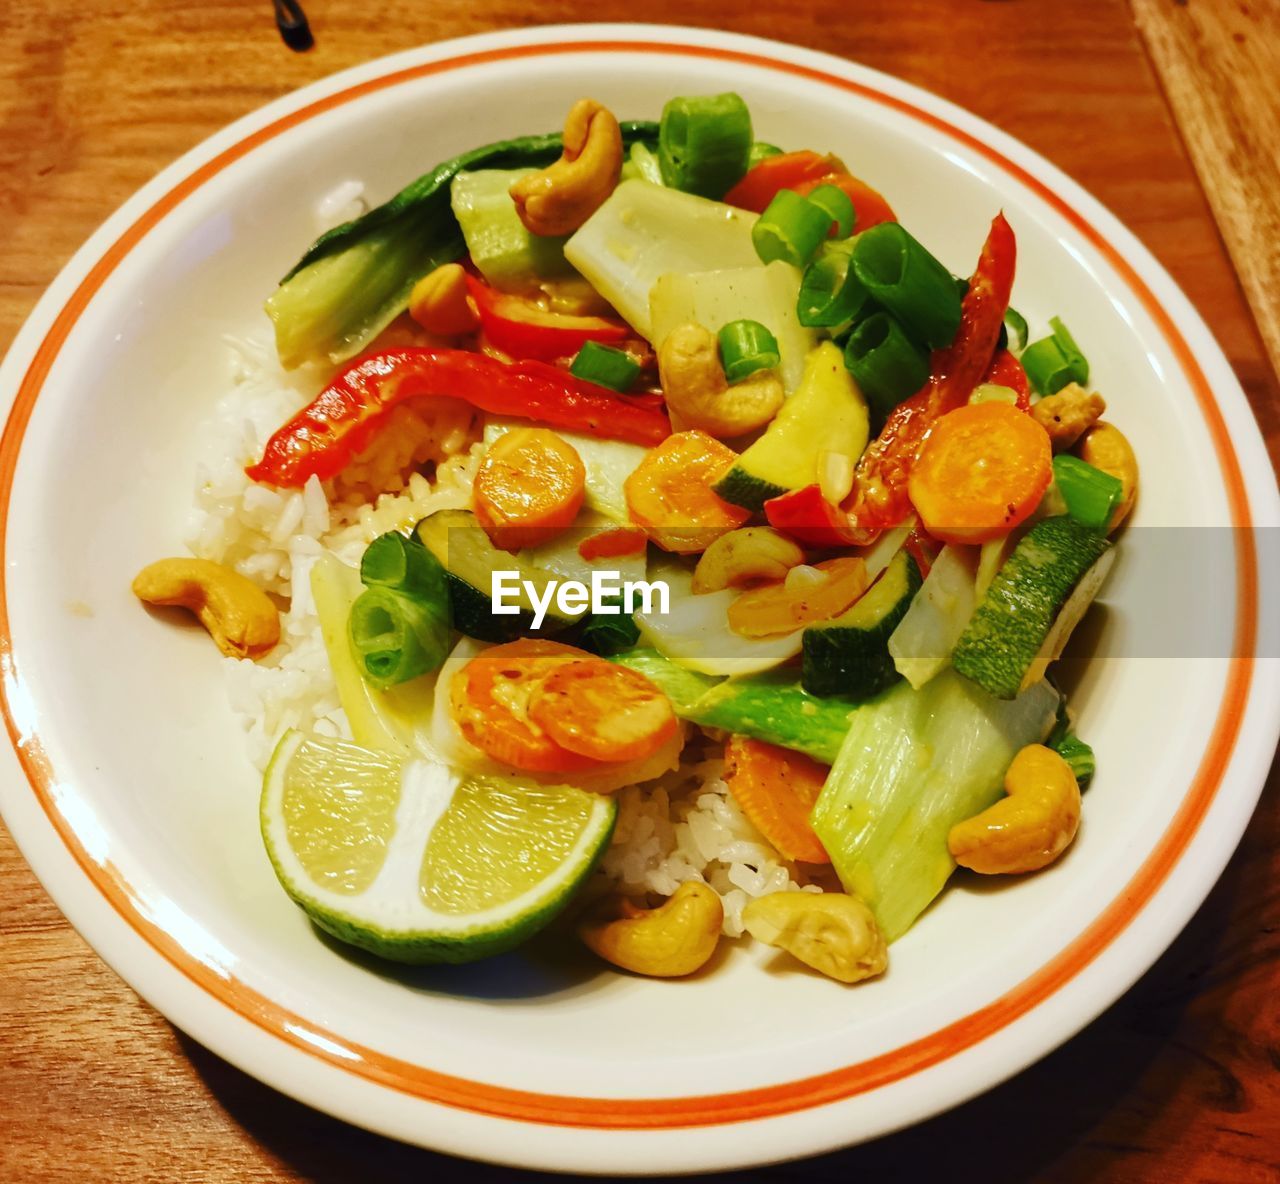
x: 876, y: 538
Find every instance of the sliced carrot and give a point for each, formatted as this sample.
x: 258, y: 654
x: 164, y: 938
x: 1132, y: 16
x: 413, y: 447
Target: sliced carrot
x: 670, y: 493
x: 489, y: 702
x: 777, y: 789
x: 528, y: 488
x: 603, y: 711
x: 609, y: 544
x: 983, y: 470
x: 796, y: 602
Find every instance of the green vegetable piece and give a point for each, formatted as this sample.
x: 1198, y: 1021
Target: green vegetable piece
x: 1036, y: 599
x: 644, y: 164
x: 830, y: 292
x: 745, y: 347
x: 772, y: 707
x: 885, y: 363
x: 838, y: 205
x: 353, y: 281
x: 607, y: 634
x: 827, y: 412
x: 503, y: 250
x: 913, y: 764
x: 1091, y: 495
x: 605, y: 366
x: 469, y: 560
x: 908, y: 281
x: 1079, y: 756
x: 791, y: 228
x: 849, y: 654
x: 396, y: 637
x: 704, y: 143
x: 761, y: 151
x: 1054, y: 361
x: 403, y: 565
x: 1015, y: 325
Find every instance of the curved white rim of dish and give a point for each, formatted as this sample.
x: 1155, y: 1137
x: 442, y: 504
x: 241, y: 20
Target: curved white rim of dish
x: 317, y: 1077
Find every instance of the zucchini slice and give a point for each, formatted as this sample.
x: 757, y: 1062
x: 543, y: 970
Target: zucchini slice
x: 827, y: 413
x: 849, y: 654
x: 1037, y: 598
x: 470, y: 559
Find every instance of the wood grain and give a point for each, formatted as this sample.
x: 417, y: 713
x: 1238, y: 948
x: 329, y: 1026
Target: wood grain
x: 1219, y: 63
x: 1179, y: 1081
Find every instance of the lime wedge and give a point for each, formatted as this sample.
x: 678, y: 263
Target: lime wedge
x: 405, y: 859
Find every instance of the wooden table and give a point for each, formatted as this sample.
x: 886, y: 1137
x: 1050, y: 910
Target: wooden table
x: 1178, y: 1081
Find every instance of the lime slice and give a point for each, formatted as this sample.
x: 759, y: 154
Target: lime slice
x: 407, y: 860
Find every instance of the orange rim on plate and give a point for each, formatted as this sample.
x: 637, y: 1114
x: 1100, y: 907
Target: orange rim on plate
x: 666, y: 1112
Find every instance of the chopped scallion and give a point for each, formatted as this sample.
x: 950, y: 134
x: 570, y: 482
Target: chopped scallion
x: 1091, y: 495
x: 1079, y: 756
x: 830, y: 293
x: 791, y: 228
x: 745, y: 347
x: 993, y: 392
x: 836, y: 202
x: 605, y: 366
x: 908, y: 281
x: 1054, y: 361
x: 761, y: 151
x: 1015, y: 325
x: 395, y: 637
x: 704, y: 143
x: 402, y: 564
x: 885, y: 363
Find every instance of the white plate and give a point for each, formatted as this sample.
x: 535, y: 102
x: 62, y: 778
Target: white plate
x: 137, y: 809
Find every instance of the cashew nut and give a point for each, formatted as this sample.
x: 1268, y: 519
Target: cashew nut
x: 1031, y: 827
x: 439, y: 302
x: 239, y: 616
x: 561, y: 197
x: 830, y: 931
x: 755, y: 554
x: 1104, y: 446
x: 1067, y: 415
x: 676, y: 938
x: 698, y: 394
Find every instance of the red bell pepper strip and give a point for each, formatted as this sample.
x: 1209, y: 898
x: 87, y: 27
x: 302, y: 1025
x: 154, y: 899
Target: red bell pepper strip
x: 1006, y: 370
x: 521, y: 329
x: 323, y: 438
x: 804, y: 172
x: 879, y: 497
x: 809, y: 518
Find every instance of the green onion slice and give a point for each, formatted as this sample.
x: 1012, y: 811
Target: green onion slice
x: 704, y: 143
x: 830, y: 292
x: 605, y: 366
x: 745, y: 347
x: 791, y: 228
x: 1079, y: 756
x: 402, y: 564
x: 1054, y: 361
x: 1091, y: 495
x: 761, y: 151
x: 886, y: 364
x: 1015, y: 325
x: 836, y: 202
x: 395, y: 637
x: 909, y: 282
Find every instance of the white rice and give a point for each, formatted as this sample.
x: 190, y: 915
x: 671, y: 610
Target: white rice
x: 685, y: 826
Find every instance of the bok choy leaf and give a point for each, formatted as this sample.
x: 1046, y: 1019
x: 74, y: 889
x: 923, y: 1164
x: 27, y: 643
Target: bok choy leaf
x: 354, y: 280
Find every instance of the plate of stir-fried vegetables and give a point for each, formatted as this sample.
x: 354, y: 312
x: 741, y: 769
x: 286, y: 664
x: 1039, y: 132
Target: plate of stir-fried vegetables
x: 701, y: 687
